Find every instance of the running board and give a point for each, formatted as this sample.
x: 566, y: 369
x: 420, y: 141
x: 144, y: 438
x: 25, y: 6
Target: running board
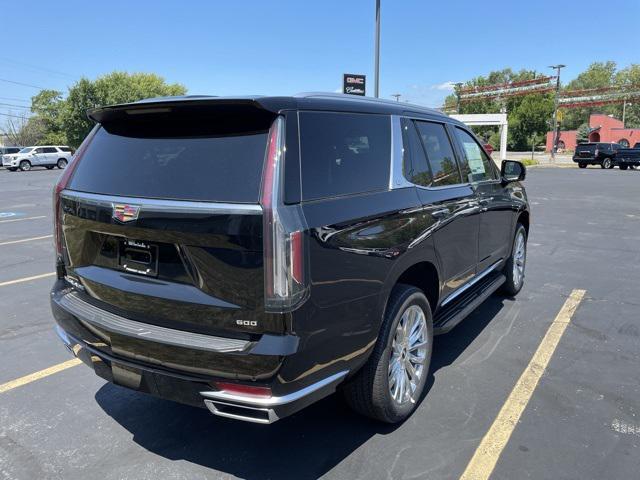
x: 451, y: 315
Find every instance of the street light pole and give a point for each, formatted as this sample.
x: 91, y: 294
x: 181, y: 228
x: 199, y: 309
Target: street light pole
x: 376, y: 81
x: 624, y: 111
x: 554, y: 147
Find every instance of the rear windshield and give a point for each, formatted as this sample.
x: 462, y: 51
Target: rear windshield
x: 586, y: 147
x: 207, y: 166
x: 344, y: 153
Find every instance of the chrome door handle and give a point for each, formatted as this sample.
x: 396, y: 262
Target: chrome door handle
x: 441, y: 212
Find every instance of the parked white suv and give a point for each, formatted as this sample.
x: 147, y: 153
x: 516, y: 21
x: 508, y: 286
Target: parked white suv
x: 48, y: 156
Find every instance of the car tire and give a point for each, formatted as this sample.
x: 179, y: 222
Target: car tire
x: 582, y: 165
x: 25, y: 165
x: 371, y: 391
x: 607, y: 163
x: 61, y: 163
x: 623, y: 167
x: 514, y: 269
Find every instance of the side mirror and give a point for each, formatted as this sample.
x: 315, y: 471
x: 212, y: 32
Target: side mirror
x: 512, y: 171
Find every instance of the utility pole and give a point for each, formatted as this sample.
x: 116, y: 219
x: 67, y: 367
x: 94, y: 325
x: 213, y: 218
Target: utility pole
x: 376, y: 81
x: 396, y: 96
x: 624, y: 111
x: 554, y: 147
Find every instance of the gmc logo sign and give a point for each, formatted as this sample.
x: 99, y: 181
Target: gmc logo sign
x: 354, y: 84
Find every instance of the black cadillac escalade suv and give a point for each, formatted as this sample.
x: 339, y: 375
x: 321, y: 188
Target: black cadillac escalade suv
x: 252, y: 255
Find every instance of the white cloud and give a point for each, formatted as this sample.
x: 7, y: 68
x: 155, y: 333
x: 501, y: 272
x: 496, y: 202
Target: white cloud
x: 448, y: 86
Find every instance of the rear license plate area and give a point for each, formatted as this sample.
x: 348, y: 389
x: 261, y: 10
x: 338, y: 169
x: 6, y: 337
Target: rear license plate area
x: 137, y: 256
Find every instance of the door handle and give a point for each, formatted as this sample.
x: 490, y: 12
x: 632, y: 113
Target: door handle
x: 441, y: 212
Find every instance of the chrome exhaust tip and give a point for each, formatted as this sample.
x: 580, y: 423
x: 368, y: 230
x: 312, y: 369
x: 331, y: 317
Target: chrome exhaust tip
x: 264, y: 416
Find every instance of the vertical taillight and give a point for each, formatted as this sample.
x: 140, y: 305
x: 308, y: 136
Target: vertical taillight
x: 284, y: 258
x: 62, y: 183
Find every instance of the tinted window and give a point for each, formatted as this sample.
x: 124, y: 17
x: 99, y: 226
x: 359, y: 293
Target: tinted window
x: 415, y: 166
x: 344, y: 153
x: 439, y: 153
x: 50, y: 150
x: 224, y: 168
x: 65, y: 149
x: 475, y: 164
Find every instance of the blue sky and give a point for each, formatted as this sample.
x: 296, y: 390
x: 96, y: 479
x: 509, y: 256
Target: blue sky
x: 285, y: 47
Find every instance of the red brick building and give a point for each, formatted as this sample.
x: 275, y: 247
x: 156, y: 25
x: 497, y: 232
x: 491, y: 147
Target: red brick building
x: 603, y: 128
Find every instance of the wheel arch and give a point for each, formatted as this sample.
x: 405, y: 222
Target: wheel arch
x: 523, y: 218
x: 419, y: 270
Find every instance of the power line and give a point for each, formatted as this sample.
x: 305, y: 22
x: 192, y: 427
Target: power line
x: 15, y: 99
x: 9, y: 115
x: 16, y: 106
x: 23, y: 84
x: 36, y: 67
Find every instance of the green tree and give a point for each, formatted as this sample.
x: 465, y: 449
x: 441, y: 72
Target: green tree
x: 116, y: 87
x: 629, y: 78
x: 528, y: 115
x: 48, y: 109
x: 599, y: 74
x: 582, y: 134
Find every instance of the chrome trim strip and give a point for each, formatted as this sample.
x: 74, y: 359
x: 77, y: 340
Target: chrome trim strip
x: 165, y: 206
x: 274, y: 401
x: 397, y: 179
x: 470, y: 283
x: 144, y: 331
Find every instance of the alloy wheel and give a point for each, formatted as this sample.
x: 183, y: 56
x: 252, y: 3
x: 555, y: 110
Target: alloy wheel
x: 519, y: 258
x: 408, y: 355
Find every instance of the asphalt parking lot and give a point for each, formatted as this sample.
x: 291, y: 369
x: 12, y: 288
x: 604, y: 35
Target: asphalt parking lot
x: 581, y: 421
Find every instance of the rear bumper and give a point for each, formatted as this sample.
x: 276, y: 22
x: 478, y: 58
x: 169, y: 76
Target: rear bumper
x: 183, y: 367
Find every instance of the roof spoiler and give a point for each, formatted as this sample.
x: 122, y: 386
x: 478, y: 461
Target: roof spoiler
x: 168, y: 105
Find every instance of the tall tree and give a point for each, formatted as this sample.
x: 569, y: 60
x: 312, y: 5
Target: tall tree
x: 116, y: 87
x: 48, y: 108
x: 599, y: 74
x: 528, y: 115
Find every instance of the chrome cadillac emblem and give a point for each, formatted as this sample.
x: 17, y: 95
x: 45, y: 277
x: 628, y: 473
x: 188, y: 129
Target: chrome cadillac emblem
x: 125, y: 213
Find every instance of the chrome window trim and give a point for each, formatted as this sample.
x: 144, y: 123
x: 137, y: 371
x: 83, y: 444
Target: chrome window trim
x: 165, y: 206
x: 470, y: 283
x: 397, y: 178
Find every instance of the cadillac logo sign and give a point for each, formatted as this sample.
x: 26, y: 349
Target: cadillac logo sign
x: 354, y: 84
x: 125, y: 213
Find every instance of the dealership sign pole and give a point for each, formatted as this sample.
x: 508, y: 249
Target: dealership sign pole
x: 376, y: 77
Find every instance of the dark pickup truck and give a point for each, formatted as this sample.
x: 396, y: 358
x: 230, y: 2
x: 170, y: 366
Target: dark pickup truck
x: 628, y: 157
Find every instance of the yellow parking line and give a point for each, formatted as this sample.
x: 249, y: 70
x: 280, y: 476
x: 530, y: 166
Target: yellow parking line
x: 19, y: 382
x: 21, y: 219
x: 25, y: 240
x: 26, y: 279
x: 488, y: 452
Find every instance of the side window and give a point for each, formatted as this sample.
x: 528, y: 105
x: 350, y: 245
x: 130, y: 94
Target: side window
x: 439, y: 154
x: 39, y: 150
x: 476, y: 165
x: 415, y: 166
x: 344, y: 153
x: 50, y: 150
